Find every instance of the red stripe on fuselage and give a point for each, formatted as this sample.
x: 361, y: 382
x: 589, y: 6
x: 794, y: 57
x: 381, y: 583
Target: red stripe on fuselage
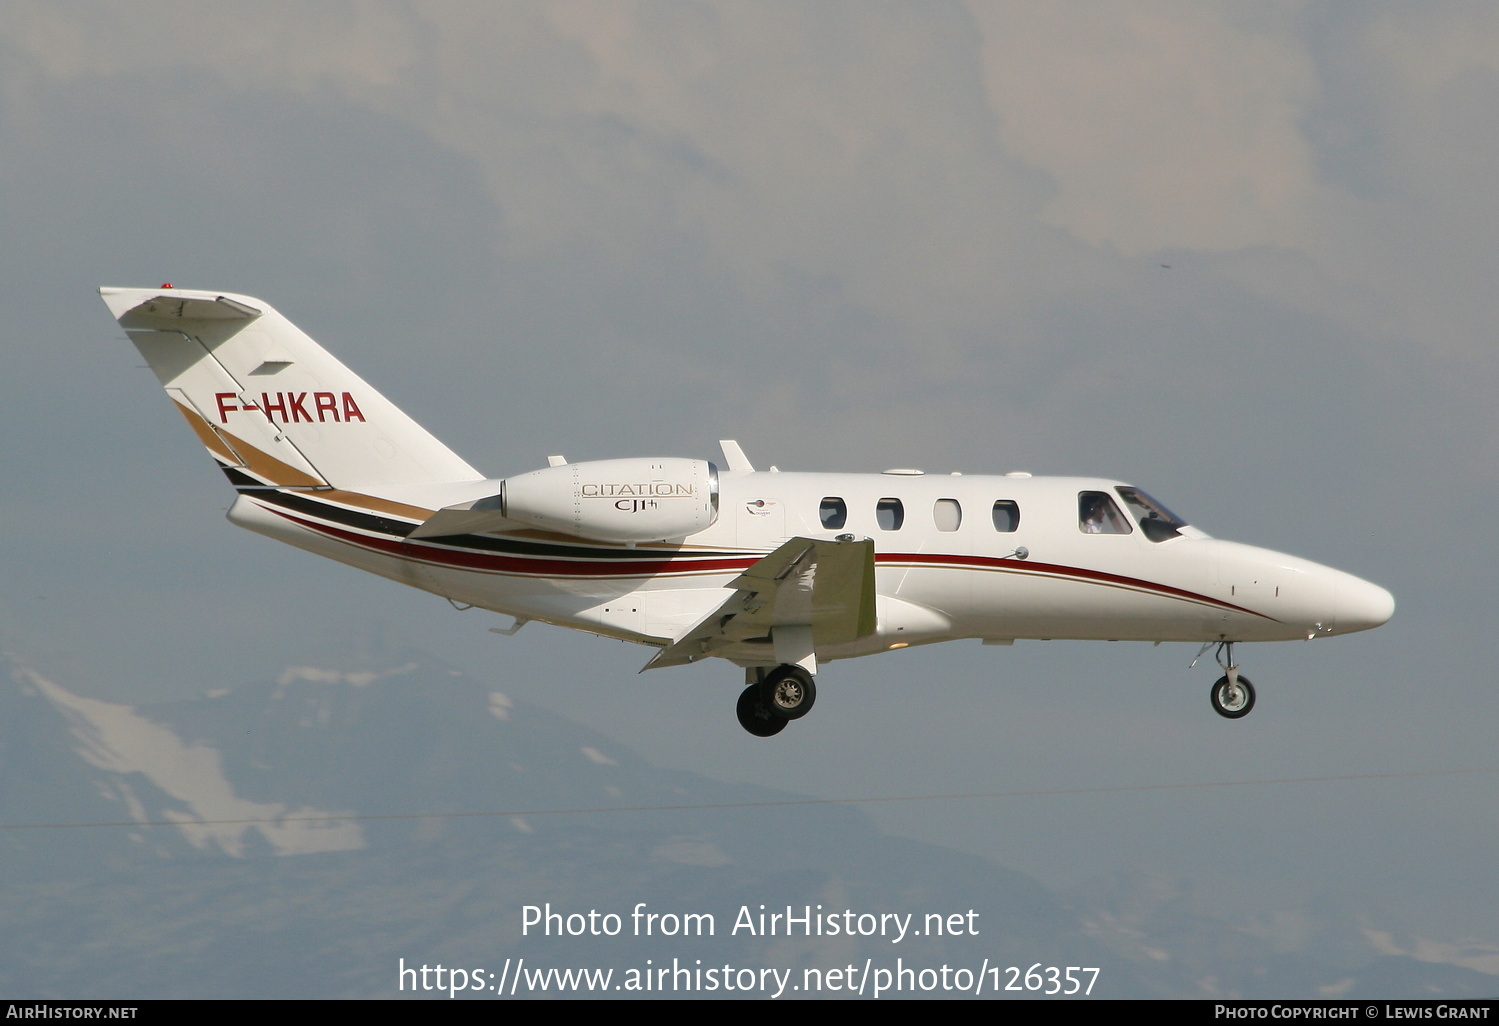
x: 533, y: 566
x: 1057, y: 570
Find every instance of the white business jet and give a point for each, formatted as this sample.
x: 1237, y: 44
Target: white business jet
x: 774, y: 572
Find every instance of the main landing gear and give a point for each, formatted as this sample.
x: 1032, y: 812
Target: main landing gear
x: 1232, y: 696
x: 775, y: 698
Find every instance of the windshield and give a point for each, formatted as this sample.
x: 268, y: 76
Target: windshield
x: 1158, y: 522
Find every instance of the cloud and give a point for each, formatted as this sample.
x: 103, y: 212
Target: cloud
x: 1169, y: 124
x: 869, y: 217
x: 812, y: 159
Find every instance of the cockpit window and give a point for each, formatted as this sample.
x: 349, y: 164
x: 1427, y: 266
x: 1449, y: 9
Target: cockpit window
x: 1098, y: 514
x: 1158, y: 522
x: 833, y: 512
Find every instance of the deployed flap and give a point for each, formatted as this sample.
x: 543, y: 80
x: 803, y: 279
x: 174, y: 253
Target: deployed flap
x: 828, y: 585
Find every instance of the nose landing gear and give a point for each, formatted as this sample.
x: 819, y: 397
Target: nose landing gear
x: 1232, y: 698
x: 1232, y: 695
x: 771, y: 700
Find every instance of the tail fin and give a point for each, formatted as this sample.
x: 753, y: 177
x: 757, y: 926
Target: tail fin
x: 272, y: 405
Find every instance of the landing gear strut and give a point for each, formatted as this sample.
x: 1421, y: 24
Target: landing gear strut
x: 771, y: 700
x: 1232, y: 696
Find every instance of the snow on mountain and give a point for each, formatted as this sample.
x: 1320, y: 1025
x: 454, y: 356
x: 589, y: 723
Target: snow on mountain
x: 200, y: 800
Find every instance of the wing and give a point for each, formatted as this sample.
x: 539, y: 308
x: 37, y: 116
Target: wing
x: 826, y: 587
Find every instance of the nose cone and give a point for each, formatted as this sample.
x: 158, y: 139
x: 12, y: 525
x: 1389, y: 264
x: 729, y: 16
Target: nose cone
x: 1361, y: 605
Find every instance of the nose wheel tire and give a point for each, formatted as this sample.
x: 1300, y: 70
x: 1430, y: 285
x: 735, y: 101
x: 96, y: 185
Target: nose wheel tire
x: 755, y: 715
x: 1232, y: 700
x: 789, y: 692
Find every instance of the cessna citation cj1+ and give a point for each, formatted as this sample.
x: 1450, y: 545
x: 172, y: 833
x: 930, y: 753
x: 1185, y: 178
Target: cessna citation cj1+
x: 773, y: 572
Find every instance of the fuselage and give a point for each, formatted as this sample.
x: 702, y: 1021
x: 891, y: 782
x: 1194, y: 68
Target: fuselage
x: 996, y: 557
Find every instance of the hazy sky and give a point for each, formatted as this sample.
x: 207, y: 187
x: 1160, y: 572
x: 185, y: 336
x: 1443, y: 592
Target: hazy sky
x: 1241, y: 254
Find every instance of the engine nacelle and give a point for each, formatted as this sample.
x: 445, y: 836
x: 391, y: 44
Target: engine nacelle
x: 633, y: 500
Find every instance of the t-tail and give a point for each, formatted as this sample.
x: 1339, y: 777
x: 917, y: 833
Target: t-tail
x: 271, y: 405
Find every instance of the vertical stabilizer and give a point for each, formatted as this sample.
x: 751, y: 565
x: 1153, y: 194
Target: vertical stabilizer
x: 269, y: 402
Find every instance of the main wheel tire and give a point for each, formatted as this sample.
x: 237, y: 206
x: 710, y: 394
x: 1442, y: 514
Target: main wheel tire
x: 789, y: 692
x: 755, y: 716
x: 1232, y: 702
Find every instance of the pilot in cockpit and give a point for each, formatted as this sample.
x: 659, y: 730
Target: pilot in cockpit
x: 1097, y: 514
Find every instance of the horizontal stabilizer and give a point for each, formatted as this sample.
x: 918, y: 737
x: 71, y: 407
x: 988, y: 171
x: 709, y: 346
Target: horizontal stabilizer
x: 190, y: 308
x: 827, y: 585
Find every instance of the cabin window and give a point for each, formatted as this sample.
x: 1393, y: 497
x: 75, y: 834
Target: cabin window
x: 889, y: 514
x: 947, y: 514
x: 1006, y: 516
x: 833, y: 512
x: 1099, y: 514
x: 1158, y: 522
